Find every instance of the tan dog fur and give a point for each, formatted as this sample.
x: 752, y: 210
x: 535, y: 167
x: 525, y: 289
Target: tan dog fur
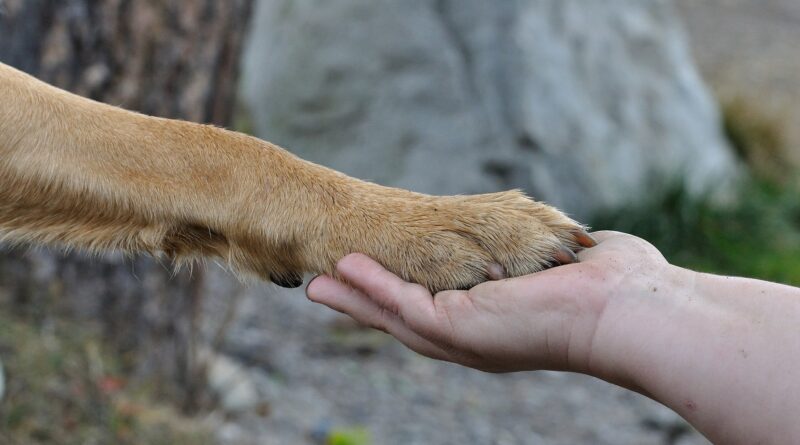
x: 79, y: 173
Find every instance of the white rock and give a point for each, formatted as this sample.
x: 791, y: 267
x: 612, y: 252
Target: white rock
x: 582, y: 103
x: 231, y: 383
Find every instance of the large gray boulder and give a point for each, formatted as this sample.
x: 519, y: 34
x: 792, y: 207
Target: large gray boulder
x: 584, y: 104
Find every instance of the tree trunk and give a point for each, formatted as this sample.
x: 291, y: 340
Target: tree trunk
x: 160, y: 57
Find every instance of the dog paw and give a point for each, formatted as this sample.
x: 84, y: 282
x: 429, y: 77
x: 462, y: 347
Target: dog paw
x: 458, y: 242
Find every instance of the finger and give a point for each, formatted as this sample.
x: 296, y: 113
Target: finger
x: 411, y: 302
x: 604, y: 235
x: 342, y: 298
x: 534, y: 286
x: 609, y: 241
x: 417, y: 343
x: 330, y: 292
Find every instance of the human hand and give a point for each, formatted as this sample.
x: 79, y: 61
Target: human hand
x: 548, y: 320
x: 721, y: 351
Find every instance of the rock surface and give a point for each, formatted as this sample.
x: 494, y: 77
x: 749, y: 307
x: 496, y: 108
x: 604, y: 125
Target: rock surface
x: 584, y: 104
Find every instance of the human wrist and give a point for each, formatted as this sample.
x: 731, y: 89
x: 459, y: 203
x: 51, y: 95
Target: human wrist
x: 641, y: 319
x: 718, y: 351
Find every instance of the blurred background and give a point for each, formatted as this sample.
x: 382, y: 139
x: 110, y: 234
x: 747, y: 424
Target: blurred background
x: 673, y: 120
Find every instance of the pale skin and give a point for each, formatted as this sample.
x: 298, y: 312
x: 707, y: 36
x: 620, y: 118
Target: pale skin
x: 722, y: 352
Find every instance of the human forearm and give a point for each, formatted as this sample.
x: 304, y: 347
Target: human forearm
x: 723, y: 352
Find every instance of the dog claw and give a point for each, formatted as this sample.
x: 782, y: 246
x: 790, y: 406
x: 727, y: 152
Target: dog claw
x: 565, y: 256
x: 584, y: 239
x: 289, y: 281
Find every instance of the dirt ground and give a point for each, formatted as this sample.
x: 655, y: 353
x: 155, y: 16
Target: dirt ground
x: 750, y: 50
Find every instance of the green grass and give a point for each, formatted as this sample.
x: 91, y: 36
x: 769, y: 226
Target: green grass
x: 351, y: 436
x: 758, y: 237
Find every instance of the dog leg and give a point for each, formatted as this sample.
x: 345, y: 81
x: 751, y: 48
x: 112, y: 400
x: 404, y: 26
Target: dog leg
x: 79, y: 173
